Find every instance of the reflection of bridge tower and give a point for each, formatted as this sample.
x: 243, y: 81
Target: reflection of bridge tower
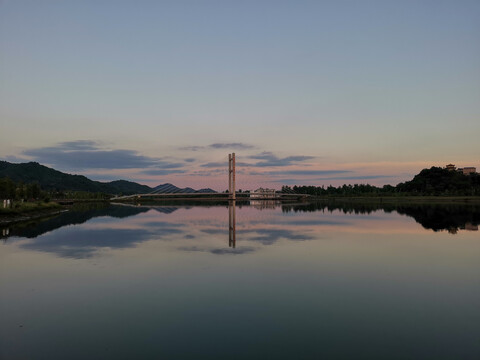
x: 231, y: 176
x: 231, y: 224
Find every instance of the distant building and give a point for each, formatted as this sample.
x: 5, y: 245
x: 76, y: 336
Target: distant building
x: 262, y: 193
x: 465, y: 171
x: 469, y: 170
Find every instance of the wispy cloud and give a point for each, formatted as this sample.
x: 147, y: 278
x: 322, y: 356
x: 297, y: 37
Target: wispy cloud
x: 309, y: 172
x: 239, y: 146
x: 191, y: 148
x: 299, y: 181
x: 223, y: 164
x: 360, y: 177
x: 232, y: 146
x: 270, y: 159
x: 87, y: 154
x: 162, y: 171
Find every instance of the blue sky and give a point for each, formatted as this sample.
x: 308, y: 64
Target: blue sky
x: 307, y: 92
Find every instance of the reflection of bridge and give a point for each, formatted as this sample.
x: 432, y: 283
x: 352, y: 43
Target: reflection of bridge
x: 232, y: 194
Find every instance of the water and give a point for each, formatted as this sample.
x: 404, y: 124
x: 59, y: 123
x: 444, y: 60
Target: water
x: 287, y: 282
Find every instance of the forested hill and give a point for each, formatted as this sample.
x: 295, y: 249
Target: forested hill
x: 50, y: 179
x: 433, y: 181
x: 439, y: 181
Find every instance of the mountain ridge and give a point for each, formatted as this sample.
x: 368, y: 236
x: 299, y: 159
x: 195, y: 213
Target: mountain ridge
x: 54, y: 180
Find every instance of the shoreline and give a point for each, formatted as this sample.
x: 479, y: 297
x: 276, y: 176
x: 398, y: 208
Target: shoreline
x: 12, y: 218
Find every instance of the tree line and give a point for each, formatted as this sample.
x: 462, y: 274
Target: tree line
x: 10, y: 189
x: 434, y: 181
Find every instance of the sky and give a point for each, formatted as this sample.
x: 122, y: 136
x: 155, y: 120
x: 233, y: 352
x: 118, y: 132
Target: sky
x: 304, y: 92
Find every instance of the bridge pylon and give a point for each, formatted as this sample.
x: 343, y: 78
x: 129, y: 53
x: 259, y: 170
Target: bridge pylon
x: 231, y: 176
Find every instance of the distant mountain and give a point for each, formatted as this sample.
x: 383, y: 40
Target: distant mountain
x: 207, y: 190
x: 51, y: 179
x: 129, y: 187
x: 172, y: 189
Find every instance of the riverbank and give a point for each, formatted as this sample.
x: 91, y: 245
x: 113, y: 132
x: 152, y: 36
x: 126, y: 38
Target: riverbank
x: 28, y: 211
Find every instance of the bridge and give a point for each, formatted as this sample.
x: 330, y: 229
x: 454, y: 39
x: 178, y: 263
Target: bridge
x: 173, y: 193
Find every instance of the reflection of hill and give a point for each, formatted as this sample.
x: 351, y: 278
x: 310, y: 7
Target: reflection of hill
x: 451, y: 217
x: 165, y: 209
x: 437, y: 217
x: 77, y: 215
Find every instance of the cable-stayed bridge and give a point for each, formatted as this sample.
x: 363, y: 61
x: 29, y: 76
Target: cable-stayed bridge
x: 171, y: 192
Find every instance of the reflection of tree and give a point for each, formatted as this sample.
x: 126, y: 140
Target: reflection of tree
x: 450, y: 217
x: 77, y: 215
x: 445, y: 217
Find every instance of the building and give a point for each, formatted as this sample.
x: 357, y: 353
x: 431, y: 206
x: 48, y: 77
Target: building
x: 262, y: 193
x: 465, y: 171
x: 469, y: 170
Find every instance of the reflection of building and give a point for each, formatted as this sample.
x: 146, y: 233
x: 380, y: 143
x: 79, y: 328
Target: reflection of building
x: 471, y: 227
x: 264, y: 204
x: 262, y: 193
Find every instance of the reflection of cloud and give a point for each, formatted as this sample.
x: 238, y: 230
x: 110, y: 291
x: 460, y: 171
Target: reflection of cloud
x: 83, y: 243
x: 270, y: 236
x: 87, y: 154
x: 233, y: 251
x: 220, y: 251
x: 266, y: 236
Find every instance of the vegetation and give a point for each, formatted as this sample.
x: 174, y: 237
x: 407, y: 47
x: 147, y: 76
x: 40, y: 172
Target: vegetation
x: 449, y: 216
x: 28, y: 207
x: 429, y: 182
x: 56, y: 181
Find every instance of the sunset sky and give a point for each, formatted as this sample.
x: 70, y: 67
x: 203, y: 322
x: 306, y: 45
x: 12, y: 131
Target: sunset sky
x: 304, y: 92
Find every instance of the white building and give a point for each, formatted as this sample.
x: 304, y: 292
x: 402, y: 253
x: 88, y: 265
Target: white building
x: 262, y: 193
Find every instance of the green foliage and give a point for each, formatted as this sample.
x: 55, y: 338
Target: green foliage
x: 28, y: 207
x: 434, y: 181
x: 438, y: 181
x: 55, y: 181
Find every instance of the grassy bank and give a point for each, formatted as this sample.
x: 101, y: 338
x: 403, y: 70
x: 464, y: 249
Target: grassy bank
x: 19, y: 208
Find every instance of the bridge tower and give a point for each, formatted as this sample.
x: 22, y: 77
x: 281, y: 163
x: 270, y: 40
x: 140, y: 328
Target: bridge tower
x: 231, y: 176
x: 231, y: 203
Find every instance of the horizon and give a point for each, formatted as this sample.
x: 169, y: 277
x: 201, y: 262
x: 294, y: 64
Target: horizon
x: 196, y: 188
x: 304, y: 93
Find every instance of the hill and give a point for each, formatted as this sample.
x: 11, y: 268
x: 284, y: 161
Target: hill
x: 53, y: 180
x: 439, y: 181
x: 172, y: 189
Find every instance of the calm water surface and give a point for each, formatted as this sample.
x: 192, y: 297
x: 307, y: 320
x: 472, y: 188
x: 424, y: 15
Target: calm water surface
x: 285, y: 282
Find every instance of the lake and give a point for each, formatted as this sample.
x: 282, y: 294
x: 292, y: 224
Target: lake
x: 259, y: 281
